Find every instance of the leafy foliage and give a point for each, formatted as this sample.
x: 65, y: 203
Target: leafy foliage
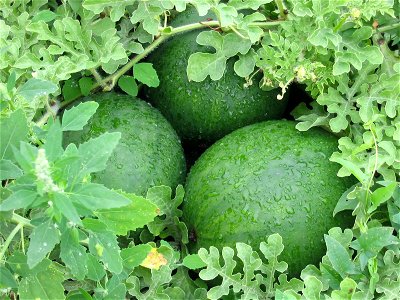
x: 99, y: 243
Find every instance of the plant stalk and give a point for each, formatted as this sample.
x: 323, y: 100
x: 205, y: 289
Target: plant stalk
x: 109, y: 82
x: 9, y: 239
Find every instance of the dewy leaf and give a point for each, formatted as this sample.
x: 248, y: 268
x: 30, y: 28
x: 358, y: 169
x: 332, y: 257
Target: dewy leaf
x: 105, y: 247
x: 201, y: 65
x: 14, y: 129
x: 128, y: 85
x: 73, y: 253
x: 45, y: 285
x: 42, y: 240
x: 96, y: 196
x: 95, y: 152
x: 145, y: 73
x: 135, y: 215
x: 36, y: 87
x: 8, y: 170
x: 76, y: 117
x: 339, y: 257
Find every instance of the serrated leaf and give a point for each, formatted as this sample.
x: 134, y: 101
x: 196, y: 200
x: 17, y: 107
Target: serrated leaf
x: 96, y: 196
x: 19, y: 199
x: 42, y: 240
x: 14, y: 129
x: 128, y: 85
x: 76, y: 118
x: 95, y: 270
x: 145, y: 73
x: 96, y: 152
x: 134, y: 256
x: 64, y: 205
x: 74, y: 254
x: 8, y: 170
x: 36, y: 87
x: 39, y: 286
x: 105, y: 247
x: 339, y: 257
x: 138, y: 213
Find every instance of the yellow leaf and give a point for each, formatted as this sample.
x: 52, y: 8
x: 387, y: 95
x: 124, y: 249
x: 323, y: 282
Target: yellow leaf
x: 154, y: 260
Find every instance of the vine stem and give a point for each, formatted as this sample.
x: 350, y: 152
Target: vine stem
x: 281, y: 8
x: 165, y: 33
x: 9, y: 239
x: 388, y: 27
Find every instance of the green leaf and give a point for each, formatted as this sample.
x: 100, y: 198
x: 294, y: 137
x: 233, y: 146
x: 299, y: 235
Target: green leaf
x: 339, y: 257
x: 128, y: 85
x: 64, y: 205
x: 246, y: 63
x: 74, y: 254
x: 75, y: 118
x: 381, y: 195
x: 36, y: 87
x: 193, y: 261
x: 104, y: 245
x: 53, y: 144
x: 11, y: 81
x: 344, y: 203
x: 96, y: 152
x: 226, y: 14
x: 313, y: 288
x: 85, y: 84
x: 45, y: 16
x: 201, y: 65
x: 96, y: 196
x: 14, y: 129
x: 148, y: 15
x: 19, y: 199
x: 145, y: 73
x: 18, y: 264
x: 7, y: 279
x: 46, y: 285
x: 170, y: 225
x: 8, y: 170
x: 95, y: 269
x: 115, y: 289
x: 243, y: 4
x: 134, y: 256
x: 71, y: 90
x: 135, y: 215
x: 42, y: 240
x: 372, y: 241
